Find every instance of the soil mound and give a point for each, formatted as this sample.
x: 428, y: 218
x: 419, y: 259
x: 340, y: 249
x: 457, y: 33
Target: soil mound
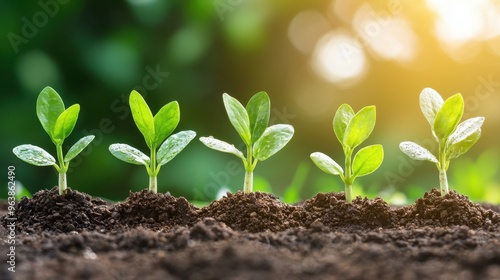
x: 153, y: 210
x: 449, y: 210
x: 49, y: 211
x: 333, y: 211
x: 253, y: 212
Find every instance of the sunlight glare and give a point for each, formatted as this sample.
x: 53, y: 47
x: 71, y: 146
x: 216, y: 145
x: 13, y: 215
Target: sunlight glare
x: 458, y: 20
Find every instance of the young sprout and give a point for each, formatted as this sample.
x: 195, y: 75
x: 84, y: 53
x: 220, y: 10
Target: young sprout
x: 155, y: 130
x: 453, y: 139
x: 351, y: 130
x: 58, y: 122
x: 251, y: 123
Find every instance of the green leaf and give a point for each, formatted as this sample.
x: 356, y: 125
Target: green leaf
x: 174, y: 145
x: 326, y: 164
x: 143, y: 118
x: 272, y: 140
x: 360, y: 127
x: 258, y: 109
x: 459, y: 148
x: 341, y: 119
x: 367, y: 160
x: 165, y: 121
x: 49, y: 106
x: 416, y: 151
x: 448, y: 116
x: 34, y: 155
x: 221, y: 146
x: 78, y: 147
x: 65, y: 123
x: 238, y: 117
x: 430, y: 103
x: 465, y: 129
x: 129, y: 154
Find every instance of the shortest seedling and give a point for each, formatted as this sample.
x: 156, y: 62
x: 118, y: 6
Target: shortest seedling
x: 454, y: 139
x: 251, y: 123
x: 352, y: 130
x: 58, y: 122
x: 155, y: 130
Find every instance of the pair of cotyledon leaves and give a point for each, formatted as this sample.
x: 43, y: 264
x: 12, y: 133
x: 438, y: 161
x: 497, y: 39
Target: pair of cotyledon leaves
x: 58, y: 122
x: 154, y: 129
x: 444, y: 118
x: 251, y: 123
x: 351, y: 130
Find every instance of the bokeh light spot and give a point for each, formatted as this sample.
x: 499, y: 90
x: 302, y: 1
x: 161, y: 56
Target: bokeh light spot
x: 389, y: 36
x: 458, y: 20
x: 36, y: 70
x: 305, y: 29
x: 339, y: 58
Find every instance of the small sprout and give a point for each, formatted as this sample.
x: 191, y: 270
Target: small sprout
x: 454, y: 139
x: 352, y: 130
x: 155, y: 129
x: 251, y: 123
x: 58, y: 122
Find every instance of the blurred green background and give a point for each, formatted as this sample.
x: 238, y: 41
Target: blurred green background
x: 309, y: 56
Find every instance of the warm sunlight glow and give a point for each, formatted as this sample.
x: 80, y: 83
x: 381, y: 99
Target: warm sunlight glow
x: 339, y: 58
x: 463, y: 20
x: 458, y: 21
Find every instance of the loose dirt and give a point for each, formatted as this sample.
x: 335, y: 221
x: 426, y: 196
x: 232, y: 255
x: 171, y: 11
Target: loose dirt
x: 251, y: 236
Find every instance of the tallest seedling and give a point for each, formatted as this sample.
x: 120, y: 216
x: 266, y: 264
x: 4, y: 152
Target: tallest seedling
x: 351, y: 130
x: 454, y: 139
x: 251, y: 124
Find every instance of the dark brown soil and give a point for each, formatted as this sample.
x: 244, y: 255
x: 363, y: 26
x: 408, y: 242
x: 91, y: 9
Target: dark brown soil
x: 251, y: 236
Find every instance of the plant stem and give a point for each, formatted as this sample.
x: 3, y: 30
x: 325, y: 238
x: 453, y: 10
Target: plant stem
x: 153, y: 173
x: 62, y: 170
x: 153, y: 183
x: 348, y: 193
x: 248, y: 184
x: 443, y: 181
x: 247, y: 188
x: 348, y: 175
x: 62, y: 183
x: 443, y: 166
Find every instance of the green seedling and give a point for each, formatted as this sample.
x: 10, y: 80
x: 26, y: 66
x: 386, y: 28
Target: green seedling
x: 155, y: 130
x: 58, y: 122
x: 251, y: 123
x: 454, y: 139
x: 352, y: 130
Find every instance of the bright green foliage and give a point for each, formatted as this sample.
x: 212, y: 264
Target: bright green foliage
x: 251, y: 123
x: 351, y: 130
x: 58, y: 122
x: 454, y: 139
x: 154, y: 129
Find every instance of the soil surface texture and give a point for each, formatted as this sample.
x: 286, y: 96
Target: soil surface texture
x: 248, y: 236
